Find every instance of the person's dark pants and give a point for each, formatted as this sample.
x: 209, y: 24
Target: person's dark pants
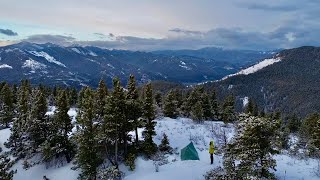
x: 211, y: 157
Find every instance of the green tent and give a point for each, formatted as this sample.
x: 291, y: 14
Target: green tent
x: 189, y: 153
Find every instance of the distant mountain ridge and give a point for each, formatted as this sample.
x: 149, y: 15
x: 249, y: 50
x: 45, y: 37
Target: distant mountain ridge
x: 80, y: 66
x: 240, y: 58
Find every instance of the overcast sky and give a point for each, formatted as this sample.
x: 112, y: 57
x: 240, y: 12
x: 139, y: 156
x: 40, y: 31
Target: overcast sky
x: 162, y: 24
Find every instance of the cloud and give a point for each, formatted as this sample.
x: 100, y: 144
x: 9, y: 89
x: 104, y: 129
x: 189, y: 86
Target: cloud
x: 184, y: 31
x: 8, y: 32
x: 56, y: 39
x: 268, y: 7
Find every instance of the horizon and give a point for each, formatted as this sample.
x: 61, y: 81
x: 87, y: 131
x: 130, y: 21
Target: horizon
x: 159, y: 25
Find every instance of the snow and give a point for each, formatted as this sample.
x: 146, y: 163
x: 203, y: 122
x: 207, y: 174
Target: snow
x: 76, y: 50
x: 256, y: 67
x: 2, y: 66
x: 83, y: 53
x: 37, y: 172
x: 181, y: 132
x: 33, y: 65
x: 245, y: 101
x: 4, y: 136
x: 47, y: 57
x: 183, y: 65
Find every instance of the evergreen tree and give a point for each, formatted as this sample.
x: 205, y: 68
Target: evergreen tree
x: 5, y: 166
x: 158, y: 99
x: 87, y: 158
x: 215, y: 115
x: 36, y: 126
x: 252, y: 108
x: 101, y: 95
x: 249, y: 107
x: 255, y: 138
x: 206, y: 106
x: 293, y: 123
x: 149, y: 115
x: 228, y: 112
x: 308, y: 126
x: 6, y: 105
x: 165, y: 145
x: 115, y: 126
x: 197, y: 112
x: 315, y: 141
x: 18, y: 134
x: 134, y: 106
x: 170, y: 105
x: 58, y: 143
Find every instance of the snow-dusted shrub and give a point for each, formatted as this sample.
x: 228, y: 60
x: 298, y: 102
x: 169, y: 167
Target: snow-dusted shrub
x: 216, y: 174
x: 130, y: 161
x: 110, y: 173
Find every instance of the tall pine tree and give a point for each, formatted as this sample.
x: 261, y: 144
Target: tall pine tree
x: 6, y: 105
x: 134, y: 106
x: 58, y: 143
x: 87, y: 158
x: 149, y: 115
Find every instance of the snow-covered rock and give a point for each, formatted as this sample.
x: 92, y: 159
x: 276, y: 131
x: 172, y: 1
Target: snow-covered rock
x: 33, y: 65
x: 5, y: 66
x: 47, y: 57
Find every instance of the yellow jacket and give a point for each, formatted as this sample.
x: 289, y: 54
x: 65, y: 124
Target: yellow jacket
x: 211, y: 148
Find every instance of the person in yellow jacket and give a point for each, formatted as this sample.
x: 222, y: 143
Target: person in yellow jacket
x: 211, y: 150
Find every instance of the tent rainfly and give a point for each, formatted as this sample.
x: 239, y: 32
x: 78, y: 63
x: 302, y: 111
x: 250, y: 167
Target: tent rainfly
x: 189, y: 153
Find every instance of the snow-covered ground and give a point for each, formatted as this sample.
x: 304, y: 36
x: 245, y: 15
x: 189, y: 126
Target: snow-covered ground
x: 180, y: 132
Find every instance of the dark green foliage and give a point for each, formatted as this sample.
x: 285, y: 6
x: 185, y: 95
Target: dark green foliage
x: 158, y: 99
x: 149, y: 114
x: 293, y: 123
x: 255, y: 138
x: 197, y: 112
x: 87, y: 158
x: 134, y: 107
x: 58, y: 143
x: 165, y: 145
x: 6, y: 105
x: 206, y: 106
x: 228, y: 111
x: 315, y: 137
x: 18, y: 134
x: 5, y: 167
x: 309, y: 124
x: 100, y: 99
x: 170, y: 108
x: 37, y: 126
x: 116, y: 126
x: 130, y: 161
x: 215, y: 113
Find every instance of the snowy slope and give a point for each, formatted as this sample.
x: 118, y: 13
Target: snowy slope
x: 256, y: 67
x: 47, y: 57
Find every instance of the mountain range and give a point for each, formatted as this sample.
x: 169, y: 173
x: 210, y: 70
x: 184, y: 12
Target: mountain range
x: 78, y: 66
